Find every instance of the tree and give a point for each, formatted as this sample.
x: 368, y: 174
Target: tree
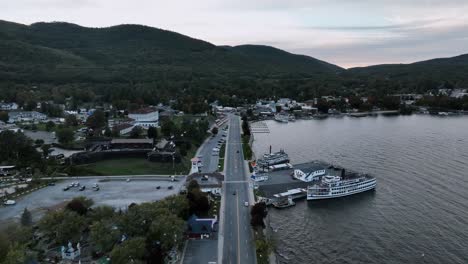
x: 168, y: 128
x: 96, y: 120
x: 4, y: 245
x: 258, y: 212
x: 80, y: 205
x: 323, y: 106
x: 168, y: 229
x: 26, y: 218
x: 4, y: 116
x: 101, y: 213
x: 63, y: 226
x: 71, y: 121
x: 103, y: 235
x: 107, y: 132
x: 136, y: 132
x: 50, y: 125
x: 130, y: 251
x: 17, y: 148
x: 65, y: 135
x: 193, y: 185
x: 214, y: 130
x: 152, y: 132
x: 45, y: 150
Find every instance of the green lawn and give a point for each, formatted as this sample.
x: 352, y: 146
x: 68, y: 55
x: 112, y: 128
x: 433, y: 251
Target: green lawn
x: 246, y: 147
x: 131, y: 166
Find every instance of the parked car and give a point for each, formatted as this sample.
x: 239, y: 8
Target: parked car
x: 51, y: 184
x: 82, y: 188
x: 9, y: 202
x: 158, y: 187
x: 66, y: 188
x: 170, y: 187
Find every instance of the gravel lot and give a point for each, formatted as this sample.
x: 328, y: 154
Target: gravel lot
x: 116, y: 193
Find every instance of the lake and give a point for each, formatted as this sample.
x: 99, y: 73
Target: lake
x: 419, y: 211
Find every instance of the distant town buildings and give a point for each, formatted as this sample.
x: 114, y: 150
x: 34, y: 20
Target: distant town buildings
x: 26, y: 116
x: 8, y: 106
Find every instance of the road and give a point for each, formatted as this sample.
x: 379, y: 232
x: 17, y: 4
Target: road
x: 238, y: 246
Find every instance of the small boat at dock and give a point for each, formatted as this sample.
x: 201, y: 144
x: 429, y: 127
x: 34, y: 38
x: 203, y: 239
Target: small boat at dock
x: 284, y: 203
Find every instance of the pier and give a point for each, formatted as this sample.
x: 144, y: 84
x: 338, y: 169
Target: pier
x: 259, y: 127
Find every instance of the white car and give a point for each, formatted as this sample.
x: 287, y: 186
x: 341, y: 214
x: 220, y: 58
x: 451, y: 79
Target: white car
x: 9, y: 202
x: 246, y: 204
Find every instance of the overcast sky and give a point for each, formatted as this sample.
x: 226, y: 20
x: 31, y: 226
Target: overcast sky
x: 344, y: 32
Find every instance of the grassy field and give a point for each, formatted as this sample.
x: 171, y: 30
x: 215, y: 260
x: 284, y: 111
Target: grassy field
x: 135, y: 166
x: 246, y: 147
x: 222, y: 152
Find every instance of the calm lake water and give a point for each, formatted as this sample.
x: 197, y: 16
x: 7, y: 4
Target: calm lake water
x: 419, y: 211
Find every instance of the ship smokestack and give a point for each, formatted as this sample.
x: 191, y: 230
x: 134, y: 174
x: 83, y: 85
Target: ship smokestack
x: 343, y: 173
x: 270, y: 149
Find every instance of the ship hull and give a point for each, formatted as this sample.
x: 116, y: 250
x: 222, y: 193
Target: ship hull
x: 311, y: 197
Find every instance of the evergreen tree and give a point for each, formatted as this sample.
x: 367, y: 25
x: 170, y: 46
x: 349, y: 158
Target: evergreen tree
x: 26, y: 217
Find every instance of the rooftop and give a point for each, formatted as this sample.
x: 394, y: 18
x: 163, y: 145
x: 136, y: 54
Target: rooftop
x: 132, y: 141
x: 145, y: 110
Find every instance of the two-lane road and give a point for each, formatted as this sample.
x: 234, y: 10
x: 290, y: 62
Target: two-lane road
x: 238, y: 246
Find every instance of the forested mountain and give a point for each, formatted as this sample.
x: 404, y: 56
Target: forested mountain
x: 147, y: 65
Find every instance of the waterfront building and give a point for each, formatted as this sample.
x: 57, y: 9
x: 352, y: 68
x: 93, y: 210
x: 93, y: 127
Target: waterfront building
x: 145, y: 117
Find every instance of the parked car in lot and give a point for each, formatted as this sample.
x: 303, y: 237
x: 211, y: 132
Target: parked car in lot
x: 158, y: 187
x: 9, y: 202
x: 66, y: 188
x: 51, y: 184
x: 82, y: 188
x: 170, y: 187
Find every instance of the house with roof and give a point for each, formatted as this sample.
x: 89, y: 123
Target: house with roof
x: 200, y: 228
x: 145, y: 117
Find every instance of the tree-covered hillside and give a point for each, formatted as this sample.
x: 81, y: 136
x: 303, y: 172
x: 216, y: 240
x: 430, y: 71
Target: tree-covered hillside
x: 147, y: 65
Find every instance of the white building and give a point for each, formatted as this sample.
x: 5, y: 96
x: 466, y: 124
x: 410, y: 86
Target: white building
x: 8, y: 106
x: 145, y: 117
x: 26, y: 116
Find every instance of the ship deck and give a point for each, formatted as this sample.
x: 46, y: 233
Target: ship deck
x: 282, y: 181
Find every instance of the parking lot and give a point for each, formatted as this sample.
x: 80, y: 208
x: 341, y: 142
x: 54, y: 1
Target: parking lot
x: 115, y: 193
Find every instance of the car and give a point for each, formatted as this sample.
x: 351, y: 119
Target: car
x: 246, y: 203
x: 234, y: 193
x: 128, y: 180
x: 51, y: 184
x: 9, y: 202
x: 66, y: 188
x: 170, y: 187
x: 82, y: 188
x: 96, y: 188
x: 237, y: 151
x: 158, y: 187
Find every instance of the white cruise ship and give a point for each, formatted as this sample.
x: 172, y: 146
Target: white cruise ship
x: 334, y: 186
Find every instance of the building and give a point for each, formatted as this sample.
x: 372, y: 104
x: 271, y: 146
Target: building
x: 26, y: 116
x: 145, y: 117
x: 8, y: 106
x: 208, y: 182
x: 123, y: 128
x: 199, y: 228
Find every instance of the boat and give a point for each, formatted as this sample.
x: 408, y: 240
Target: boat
x: 284, y: 203
x: 9, y: 202
x: 331, y: 186
x: 273, y: 159
x: 282, y: 118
